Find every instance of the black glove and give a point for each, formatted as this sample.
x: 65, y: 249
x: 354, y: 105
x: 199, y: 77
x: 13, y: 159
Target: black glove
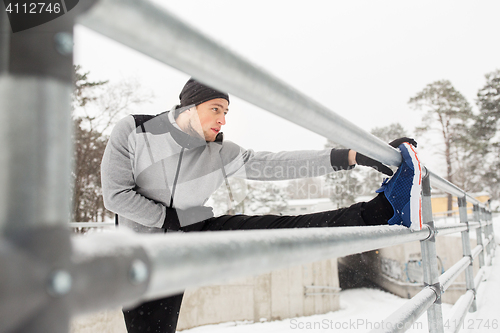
x: 367, y: 161
x: 399, y: 141
x: 186, y: 216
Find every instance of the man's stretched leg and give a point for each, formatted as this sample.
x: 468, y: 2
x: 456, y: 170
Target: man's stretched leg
x: 375, y: 212
x: 160, y: 316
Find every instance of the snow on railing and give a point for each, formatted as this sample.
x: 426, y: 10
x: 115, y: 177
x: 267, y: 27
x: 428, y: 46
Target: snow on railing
x: 47, y: 276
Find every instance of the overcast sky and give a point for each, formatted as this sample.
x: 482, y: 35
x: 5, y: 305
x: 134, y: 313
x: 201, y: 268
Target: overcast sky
x: 361, y: 59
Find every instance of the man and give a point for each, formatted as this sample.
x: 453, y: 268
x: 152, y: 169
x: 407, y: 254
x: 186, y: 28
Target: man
x: 159, y: 171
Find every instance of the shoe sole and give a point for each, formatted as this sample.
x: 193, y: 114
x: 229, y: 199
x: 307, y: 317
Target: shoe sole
x: 415, y: 193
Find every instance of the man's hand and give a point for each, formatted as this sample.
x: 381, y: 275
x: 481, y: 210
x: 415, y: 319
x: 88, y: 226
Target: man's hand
x: 188, y: 216
x: 370, y: 162
x: 397, y: 142
x: 367, y: 161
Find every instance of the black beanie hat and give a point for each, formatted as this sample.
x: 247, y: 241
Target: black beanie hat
x: 196, y: 93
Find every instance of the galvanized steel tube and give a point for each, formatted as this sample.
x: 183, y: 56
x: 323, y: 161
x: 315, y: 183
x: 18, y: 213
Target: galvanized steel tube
x: 178, y: 261
x: 446, y: 229
x: 469, y: 272
x: 474, y: 225
x: 429, y: 258
x: 447, y: 278
x: 445, y: 185
x: 479, y: 278
x: 460, y: 311
x: 225, y: 255
x: 486, y: 243
x: 35, y: 154
x: 402, y: 319
x: 479, y: 238
x: 475, y: 251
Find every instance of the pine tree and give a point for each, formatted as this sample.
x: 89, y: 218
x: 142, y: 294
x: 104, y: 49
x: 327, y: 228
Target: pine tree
x: 246, y: 197
x: 390, y: 132
x: 265, y: 198
x: 447, y: 112
x: 307, y: 188
x: 488, y: 101
x: 486, y: 129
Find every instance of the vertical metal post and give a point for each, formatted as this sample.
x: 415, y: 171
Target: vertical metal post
x: 35, y: 169
x: 490, y: 219
x: 469, y: 273
x: 487, y: 232
x: 492, y: 230
x: 35, y: 153
x: 429, y: 260
x: 479, y: 233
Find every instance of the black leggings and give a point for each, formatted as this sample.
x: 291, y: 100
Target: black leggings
x: 161, y: 315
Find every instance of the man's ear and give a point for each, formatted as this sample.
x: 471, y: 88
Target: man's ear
x: 191, y: 111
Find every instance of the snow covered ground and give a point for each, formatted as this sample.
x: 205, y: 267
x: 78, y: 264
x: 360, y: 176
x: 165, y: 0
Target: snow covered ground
x: 361, y: 310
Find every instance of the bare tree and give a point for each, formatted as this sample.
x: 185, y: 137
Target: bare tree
x: 96, y: 108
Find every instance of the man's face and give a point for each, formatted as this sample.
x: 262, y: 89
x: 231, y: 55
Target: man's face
x: 212, y: 115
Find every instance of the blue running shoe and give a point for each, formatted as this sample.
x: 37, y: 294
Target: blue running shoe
x: 403, y: 190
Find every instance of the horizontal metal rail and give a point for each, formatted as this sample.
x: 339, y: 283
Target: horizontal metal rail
x: 459, y: 311
x: 453, y: 211
x: 445, y: 229
x: 474, y: 225
x: 475, y: 251
x: 447, y: 278
x: 479, y: 278
x: 487, y: 241
x: 402, y: 319
x: 448, y: 187
x: 230, y: 254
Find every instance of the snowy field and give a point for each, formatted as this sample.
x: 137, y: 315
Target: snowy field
x: 361, y: 310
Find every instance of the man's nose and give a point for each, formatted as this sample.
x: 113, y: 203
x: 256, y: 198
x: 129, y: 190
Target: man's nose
x: 222, y: 120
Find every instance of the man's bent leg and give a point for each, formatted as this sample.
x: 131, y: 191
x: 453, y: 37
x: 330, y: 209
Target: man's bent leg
x: 160, y: 315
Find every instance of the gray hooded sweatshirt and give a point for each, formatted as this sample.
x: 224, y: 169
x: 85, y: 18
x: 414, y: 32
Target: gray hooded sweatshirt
x: 148, y: 158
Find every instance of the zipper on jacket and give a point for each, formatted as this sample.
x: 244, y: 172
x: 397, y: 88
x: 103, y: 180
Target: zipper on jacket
x: 176, y: 177
x: 230, y: 193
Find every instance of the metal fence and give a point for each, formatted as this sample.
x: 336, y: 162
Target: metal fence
x: 47, y: 276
